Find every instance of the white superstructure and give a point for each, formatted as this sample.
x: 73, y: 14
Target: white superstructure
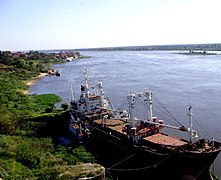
x: 90, y: 101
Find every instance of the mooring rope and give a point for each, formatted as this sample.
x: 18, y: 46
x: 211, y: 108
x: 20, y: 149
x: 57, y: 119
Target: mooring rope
x: 122, y: 161
x: 139, y: 169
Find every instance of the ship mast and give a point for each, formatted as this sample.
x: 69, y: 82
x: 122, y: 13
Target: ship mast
x: 131, y: 99
x: 190, y: 114
x: 86, y: 90
x: 72, y: 94
x: 100, y: 86
x: 150, y: 106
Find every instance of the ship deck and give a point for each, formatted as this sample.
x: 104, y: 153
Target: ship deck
x: 110, y: 122
x: 165, y: 140
x: 113, y: 124
x: 158, y: 138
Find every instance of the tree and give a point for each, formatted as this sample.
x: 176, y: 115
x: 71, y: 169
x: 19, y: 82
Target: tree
x: 7, y: 60
x: 64, y: 106
x: 32, y: 65
x: 22, y: 64
x: 50, y: 108
x: 8, y: 122
x: 40, y: 66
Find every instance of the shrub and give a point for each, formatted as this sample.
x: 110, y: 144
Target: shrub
x: 64, y: 106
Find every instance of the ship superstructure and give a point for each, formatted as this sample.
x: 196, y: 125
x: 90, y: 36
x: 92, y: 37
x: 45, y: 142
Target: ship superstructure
x: 91, y: 101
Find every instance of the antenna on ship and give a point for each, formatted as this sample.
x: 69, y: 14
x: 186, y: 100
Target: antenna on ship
x: 86, y: 90
x: 190, y: 114
x: 150, y: 106
x: 131, y: 99
x: 193, y: 133
x: 101, y: 89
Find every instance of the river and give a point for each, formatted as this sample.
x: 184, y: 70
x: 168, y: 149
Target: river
x: 176, y: 80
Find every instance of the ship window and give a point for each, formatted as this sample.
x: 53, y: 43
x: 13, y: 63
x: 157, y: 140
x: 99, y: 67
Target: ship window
x: 91, y: 105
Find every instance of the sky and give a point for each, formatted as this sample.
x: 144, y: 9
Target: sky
x: 71, y: 24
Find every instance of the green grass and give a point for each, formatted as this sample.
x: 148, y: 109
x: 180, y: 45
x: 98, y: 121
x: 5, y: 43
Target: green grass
x: 26, y: 147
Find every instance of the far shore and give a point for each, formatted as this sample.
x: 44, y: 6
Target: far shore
x: 32, y: 81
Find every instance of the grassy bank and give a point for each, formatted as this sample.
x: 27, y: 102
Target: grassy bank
x: 28, y: 125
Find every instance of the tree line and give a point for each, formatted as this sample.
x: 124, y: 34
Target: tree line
x: 175, y: 47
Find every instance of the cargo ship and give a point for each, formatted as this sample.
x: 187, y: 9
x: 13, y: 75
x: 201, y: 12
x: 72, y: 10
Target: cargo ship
x: 94, y: 115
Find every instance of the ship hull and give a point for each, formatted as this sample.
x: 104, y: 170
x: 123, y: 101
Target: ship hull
x: 129, y: 160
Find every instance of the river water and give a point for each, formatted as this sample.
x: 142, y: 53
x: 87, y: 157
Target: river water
x: 176, y: 80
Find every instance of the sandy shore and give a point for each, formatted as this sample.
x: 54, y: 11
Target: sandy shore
x: 33, y: 81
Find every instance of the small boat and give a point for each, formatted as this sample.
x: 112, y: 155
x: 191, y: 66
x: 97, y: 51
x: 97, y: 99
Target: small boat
x: 57, y: 73
x: 93, y: 114
x: 54, y: 72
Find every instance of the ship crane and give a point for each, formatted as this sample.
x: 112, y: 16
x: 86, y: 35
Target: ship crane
x: 131, y: 99
x: 101, y: 89
x: 151, y: 119
x: 160, y: 123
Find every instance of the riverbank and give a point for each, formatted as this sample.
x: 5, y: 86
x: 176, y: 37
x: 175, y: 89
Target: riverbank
x: 30, y: 125
x: 33, y: 80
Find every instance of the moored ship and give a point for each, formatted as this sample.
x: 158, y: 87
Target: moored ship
x: 93, y: 114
